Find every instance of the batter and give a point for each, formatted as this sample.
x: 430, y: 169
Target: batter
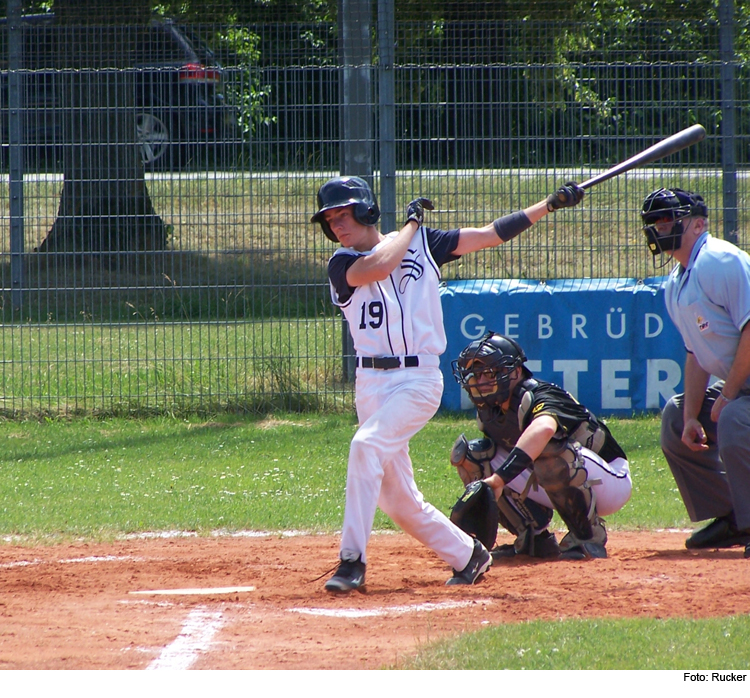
x: 387, y: 288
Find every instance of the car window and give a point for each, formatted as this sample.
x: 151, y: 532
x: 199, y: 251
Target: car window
x: 161, y: 46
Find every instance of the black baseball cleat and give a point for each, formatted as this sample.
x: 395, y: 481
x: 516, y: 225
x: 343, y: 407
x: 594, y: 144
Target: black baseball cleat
x: 543, y: 545
x: 349, y: 576
x: 747, y: 551
x: 479, y: 563
x: 720, y: 533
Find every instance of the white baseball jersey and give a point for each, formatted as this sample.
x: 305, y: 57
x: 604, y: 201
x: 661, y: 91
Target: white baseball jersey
x: 401, y: 315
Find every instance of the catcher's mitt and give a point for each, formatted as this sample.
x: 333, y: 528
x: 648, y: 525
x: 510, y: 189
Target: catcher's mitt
x: 476, y: 513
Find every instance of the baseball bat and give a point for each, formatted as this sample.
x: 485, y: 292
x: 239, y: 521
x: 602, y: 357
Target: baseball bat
x: 672, y: 144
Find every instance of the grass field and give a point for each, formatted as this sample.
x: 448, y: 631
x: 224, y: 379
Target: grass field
x: 101, y: 478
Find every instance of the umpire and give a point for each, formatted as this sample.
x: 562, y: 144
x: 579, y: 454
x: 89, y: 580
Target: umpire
x: 705, y: 431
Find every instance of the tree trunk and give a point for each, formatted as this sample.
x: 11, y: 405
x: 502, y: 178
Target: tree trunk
x: 104, y: 207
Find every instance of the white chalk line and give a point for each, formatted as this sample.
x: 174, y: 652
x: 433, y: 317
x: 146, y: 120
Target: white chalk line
x: 385, y: 611
x: 194, y: 591
x: 72, y: 560
x: 196, y: 637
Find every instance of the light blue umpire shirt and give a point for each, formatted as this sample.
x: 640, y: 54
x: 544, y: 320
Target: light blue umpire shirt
x: 709, y: 302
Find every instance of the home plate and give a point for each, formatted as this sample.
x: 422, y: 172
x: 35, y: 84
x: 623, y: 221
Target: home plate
x: 210, y: 591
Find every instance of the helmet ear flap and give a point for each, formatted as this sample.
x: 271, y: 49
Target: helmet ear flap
x: 327, y: 230
x: 367, y: 214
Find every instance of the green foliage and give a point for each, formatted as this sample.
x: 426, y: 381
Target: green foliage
x: 176, y: 369
x: 251, y: 95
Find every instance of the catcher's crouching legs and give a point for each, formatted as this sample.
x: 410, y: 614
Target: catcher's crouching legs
x: 562, y: 473
x: 528, y: 521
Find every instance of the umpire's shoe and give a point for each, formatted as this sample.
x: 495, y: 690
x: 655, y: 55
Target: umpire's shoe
x: 720, y: 533
x: 349, y: 576
x: 479, y: 563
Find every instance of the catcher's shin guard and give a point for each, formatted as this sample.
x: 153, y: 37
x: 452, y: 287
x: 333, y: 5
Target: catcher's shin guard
x: 561, y: 471
x: 573, y: 548
x: 528, y: 521
x: 574, y: 509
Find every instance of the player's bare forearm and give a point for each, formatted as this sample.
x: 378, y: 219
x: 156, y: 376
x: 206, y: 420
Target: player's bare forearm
x: 474, y: 239
x: 378, y: 265
x: 537, y: 435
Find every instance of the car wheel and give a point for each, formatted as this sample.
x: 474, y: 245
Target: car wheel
x: 153, y: 137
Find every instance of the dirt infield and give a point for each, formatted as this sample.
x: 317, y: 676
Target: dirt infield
x: 253, y: 602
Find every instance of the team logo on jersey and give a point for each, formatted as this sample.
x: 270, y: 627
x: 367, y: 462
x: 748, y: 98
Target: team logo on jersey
x: 412, y: 270
x: 702, y: 323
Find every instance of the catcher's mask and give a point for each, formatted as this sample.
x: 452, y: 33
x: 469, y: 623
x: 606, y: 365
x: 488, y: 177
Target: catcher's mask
x: 346, y: 191
x: 662, y: 214
x: 484, y: 368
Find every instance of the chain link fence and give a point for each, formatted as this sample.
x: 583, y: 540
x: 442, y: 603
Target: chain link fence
x: 158, y: 182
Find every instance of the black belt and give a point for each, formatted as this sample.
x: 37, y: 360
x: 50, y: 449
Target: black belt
x: 387, y: 362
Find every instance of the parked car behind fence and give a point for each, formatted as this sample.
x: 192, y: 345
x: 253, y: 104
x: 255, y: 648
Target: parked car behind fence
x: 182, y: 120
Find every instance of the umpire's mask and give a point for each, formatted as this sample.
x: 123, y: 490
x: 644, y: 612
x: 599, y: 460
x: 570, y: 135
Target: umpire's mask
x: 662, y: 214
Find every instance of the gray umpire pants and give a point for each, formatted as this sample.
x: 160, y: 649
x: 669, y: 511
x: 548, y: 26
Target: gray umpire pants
x: 716, y: 481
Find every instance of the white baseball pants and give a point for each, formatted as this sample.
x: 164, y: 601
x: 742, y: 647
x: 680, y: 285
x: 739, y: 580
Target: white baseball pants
x: 612, y: 492
x: 392, y: 406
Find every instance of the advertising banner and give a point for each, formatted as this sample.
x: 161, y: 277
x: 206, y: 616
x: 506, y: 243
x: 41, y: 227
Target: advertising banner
x: 609, y: 342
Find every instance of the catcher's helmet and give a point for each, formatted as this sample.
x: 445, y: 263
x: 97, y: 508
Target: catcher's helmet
x: 484, y: 368
x: 664, y: 205
x: 346, y: 191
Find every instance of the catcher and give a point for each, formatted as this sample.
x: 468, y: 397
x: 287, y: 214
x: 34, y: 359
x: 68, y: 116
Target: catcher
x: 541, y: 451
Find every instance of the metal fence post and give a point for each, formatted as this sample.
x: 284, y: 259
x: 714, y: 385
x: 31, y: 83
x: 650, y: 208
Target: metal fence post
x: 15, y: 150
x: 728, y: 124
x: 356, y: 125
x: 387, y: 113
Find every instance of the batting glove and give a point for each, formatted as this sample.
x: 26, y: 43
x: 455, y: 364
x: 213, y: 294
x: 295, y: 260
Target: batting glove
x: 415, y: 210
x: 569, y: 195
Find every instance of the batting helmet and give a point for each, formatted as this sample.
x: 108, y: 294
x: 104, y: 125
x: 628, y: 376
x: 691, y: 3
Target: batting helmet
x: 669, y: 205
x: 346, y: 191
x: 484, y: 368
